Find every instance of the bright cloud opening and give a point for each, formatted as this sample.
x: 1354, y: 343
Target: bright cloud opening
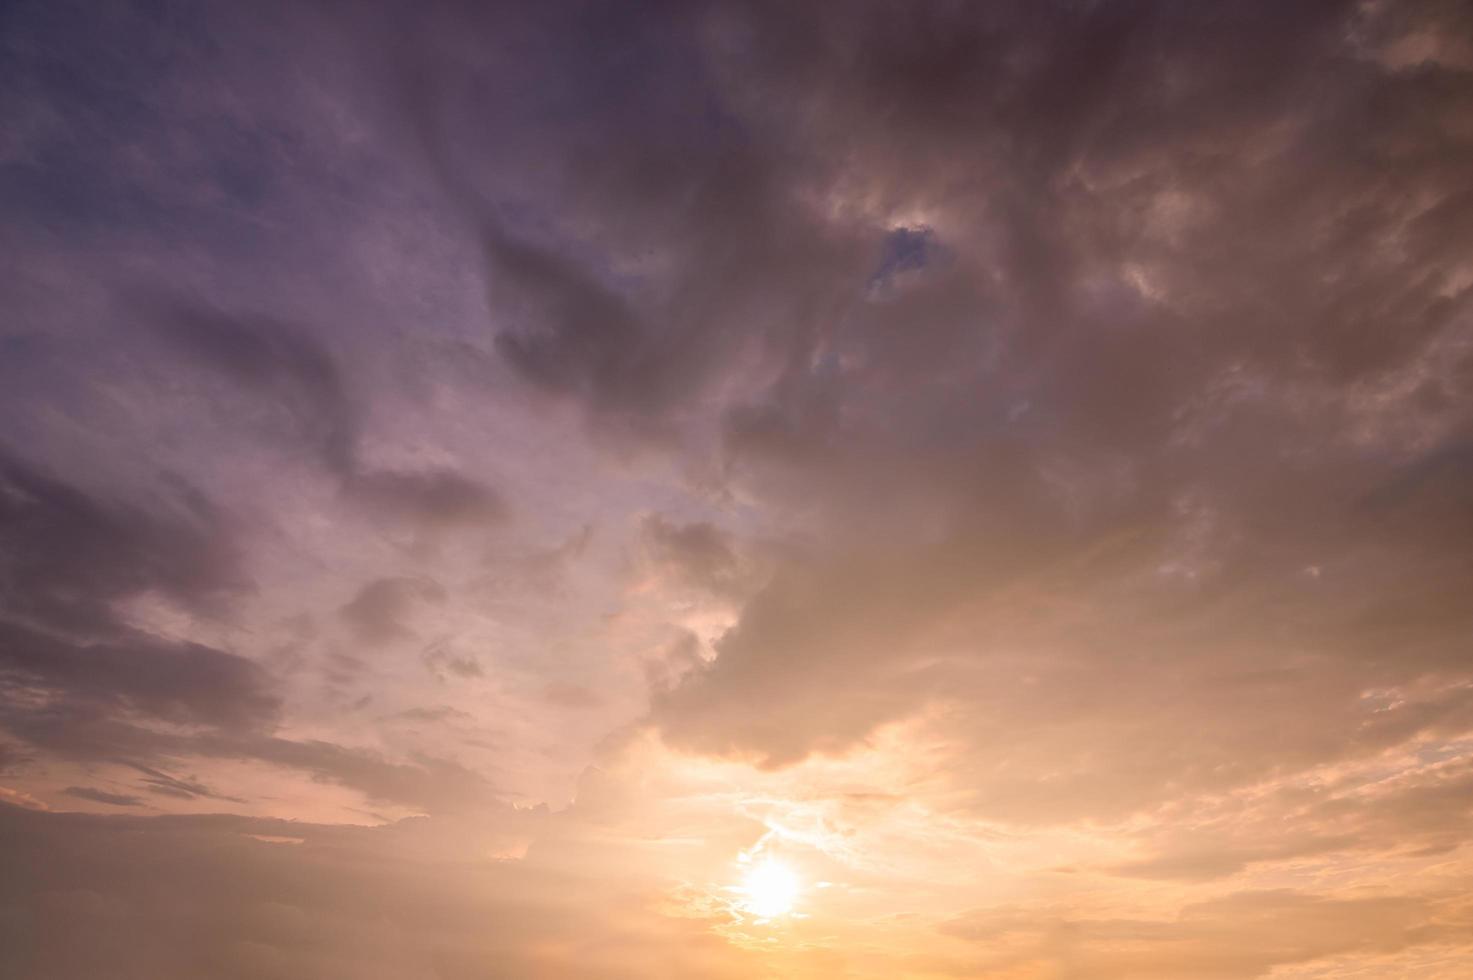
x: 770, y: 889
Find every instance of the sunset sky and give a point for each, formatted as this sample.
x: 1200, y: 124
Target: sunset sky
x: 763, y: 490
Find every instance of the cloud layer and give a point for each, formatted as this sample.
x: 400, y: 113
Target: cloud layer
x: 474, y: 475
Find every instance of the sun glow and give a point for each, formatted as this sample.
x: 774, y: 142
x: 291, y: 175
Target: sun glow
x: 770, y: 888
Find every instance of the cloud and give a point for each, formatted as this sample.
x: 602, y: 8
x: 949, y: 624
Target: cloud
x: 375, y: 613
x: 21, y: 799
x: 1118, y: 528
x: 433, y: 498
x: 437, y: 714
x: 73, y: 554
x: 103, y: 796
x: 582, y: 338
x: 439, y: 660
x: 64, y: 647
x: 304, y: 400
x: 294, y: 375
x: 568, y: 695
x: 697, y: 555
x: 163, y: 784
x: 1038, y: 434
x: 79, y: 682
x: 177, y: 682
x: 97, y: 891
x: 425, y: 783
x: 1240, y: 935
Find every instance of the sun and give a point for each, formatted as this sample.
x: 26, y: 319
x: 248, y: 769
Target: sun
x: 770, y: 888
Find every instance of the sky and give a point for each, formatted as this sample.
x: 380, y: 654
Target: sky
x: 736, y: 489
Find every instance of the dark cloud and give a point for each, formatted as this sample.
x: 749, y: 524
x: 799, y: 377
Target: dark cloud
x: 172, y: 681
x: 102, y: 796
x: 375, y: 614
x: 1132, y: 423
x: 440, y: 660
x: 432, y: 498
x: 662, y: 176
x: 70, y: 558
x: 425, y: 782
x: 698, y: 555
x: 70, y: 554
x: 301, y: 396
x: 293, y: 375
x: 582, y: 338
x: 441, y: 713
x: 163, y: 784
